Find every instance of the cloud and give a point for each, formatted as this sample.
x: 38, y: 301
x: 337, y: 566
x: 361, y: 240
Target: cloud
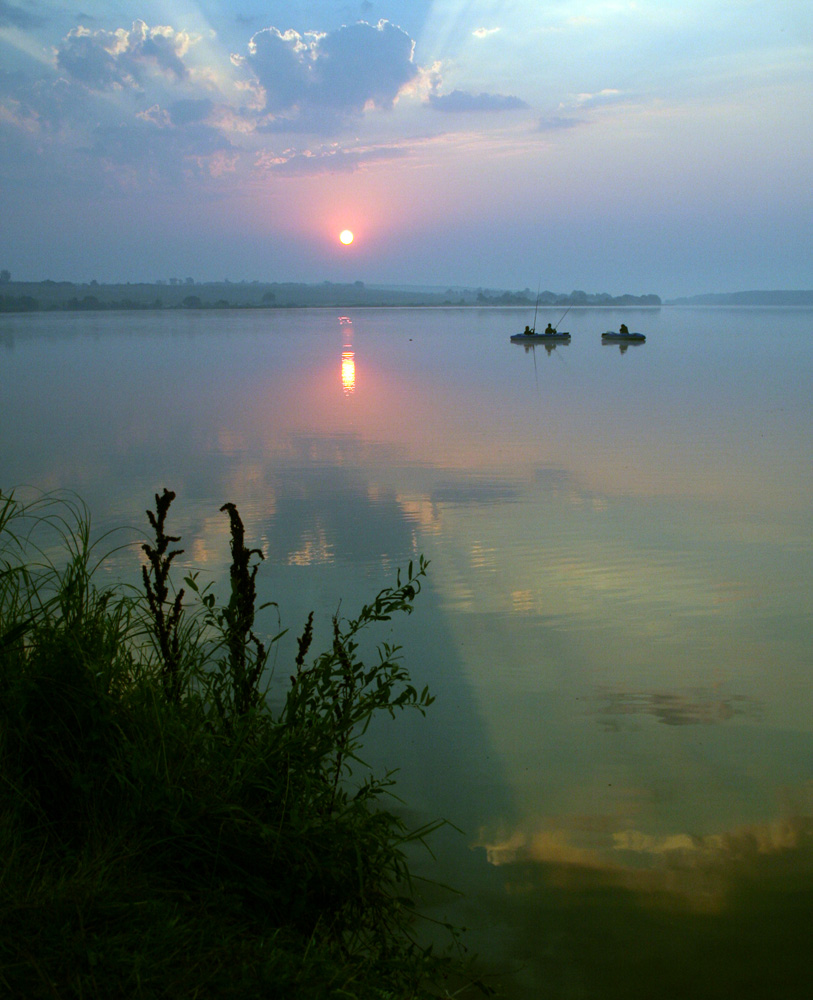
x: 703, y: 871
x: 281, y: 66
x: 128, y: 102
x: 459, y: 100
x: 155, y: 149
x: 104, y: 60
x: 325, y: 79
x: 127, y: 143
x: 189, y: 110
x: 484, y: 32
x: 601, y: 98
x: 333, y: 160
x: 702, y: 707
x: 365, y: 64
x: 555, y: 123
x: 61, y: 106
x: 15, y: 17
x: 19, y: 116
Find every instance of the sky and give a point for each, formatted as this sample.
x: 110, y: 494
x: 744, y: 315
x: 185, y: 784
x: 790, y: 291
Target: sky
x: 621, y: 146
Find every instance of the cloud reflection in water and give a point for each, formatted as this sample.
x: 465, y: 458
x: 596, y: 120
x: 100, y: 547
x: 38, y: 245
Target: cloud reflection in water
x: 632, y: 915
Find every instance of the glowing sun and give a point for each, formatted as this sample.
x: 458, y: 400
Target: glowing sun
x: 346, y: 237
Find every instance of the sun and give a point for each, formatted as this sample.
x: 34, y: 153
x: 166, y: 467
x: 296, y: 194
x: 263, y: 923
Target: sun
x: 346, y: 237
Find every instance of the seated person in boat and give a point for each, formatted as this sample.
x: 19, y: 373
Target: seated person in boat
x: 527, y: 331
x: 549, y: 329
x: 623, y: 329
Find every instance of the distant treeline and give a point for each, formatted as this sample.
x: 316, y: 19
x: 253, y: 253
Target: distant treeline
x: 767, y: 298
x: 576, y: 298
x: 63, y: 295
x: 18, y: 296
x: 29, y: 296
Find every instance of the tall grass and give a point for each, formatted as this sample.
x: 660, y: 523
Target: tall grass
x: 165, y: 832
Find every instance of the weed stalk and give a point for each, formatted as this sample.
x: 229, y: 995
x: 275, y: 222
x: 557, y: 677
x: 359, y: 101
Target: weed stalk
x: 166, y: 614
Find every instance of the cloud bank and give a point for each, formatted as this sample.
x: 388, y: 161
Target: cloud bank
x: 117, y: 59
x: 326, y: 79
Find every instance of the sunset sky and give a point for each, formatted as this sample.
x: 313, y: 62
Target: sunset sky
x: 606, y: 145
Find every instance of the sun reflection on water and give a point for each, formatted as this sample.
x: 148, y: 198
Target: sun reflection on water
x: 348, y: 357
x: 348, y: 372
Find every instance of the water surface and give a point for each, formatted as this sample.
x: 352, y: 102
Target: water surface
x: 617, y: 623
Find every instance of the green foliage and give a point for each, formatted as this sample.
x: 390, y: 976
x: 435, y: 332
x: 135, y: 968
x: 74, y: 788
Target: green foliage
x: 163, y: 831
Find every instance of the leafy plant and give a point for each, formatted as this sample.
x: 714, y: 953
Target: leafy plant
x: 164, y: 831
x: 166, y: 614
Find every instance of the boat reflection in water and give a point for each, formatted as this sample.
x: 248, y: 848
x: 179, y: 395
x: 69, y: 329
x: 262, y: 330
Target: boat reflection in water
x: 624, y: 338
x: 622, y: 345
x: 530, y: 343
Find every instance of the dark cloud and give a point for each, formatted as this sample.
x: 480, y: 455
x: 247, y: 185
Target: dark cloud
x: 187, y: 111
x: 14, y: 17
x: 105, y: 59
x: 13, y: 84
x: 41, y: 109
x: 362, y: 63
x: 704, y: 707
x: 85, y: 58
x: 157, y: 149
x: 281, y: 67
x: 326, y: 79
x: 159, y: 49
x: 459, y: 100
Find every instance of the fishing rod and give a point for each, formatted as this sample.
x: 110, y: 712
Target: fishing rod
x: 536, y: 307
x: 563, y: 316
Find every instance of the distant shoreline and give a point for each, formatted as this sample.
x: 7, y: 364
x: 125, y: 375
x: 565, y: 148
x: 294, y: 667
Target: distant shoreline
x: 755, y: 298
x: 65, y: 296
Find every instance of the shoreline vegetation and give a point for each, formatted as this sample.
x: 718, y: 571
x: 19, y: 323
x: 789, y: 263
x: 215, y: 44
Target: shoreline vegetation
x: 168, y: 832
x: 177, y: 293
x: 64, y: 296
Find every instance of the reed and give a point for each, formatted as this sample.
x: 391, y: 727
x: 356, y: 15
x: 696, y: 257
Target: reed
x: 164, y: 831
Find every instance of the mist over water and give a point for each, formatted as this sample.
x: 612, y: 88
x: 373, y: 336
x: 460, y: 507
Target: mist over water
x: 617, y: 621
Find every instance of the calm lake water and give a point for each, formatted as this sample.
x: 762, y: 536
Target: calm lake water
x: 617, y: 620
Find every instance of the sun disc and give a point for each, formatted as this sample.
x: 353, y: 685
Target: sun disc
x: 346, y: 237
